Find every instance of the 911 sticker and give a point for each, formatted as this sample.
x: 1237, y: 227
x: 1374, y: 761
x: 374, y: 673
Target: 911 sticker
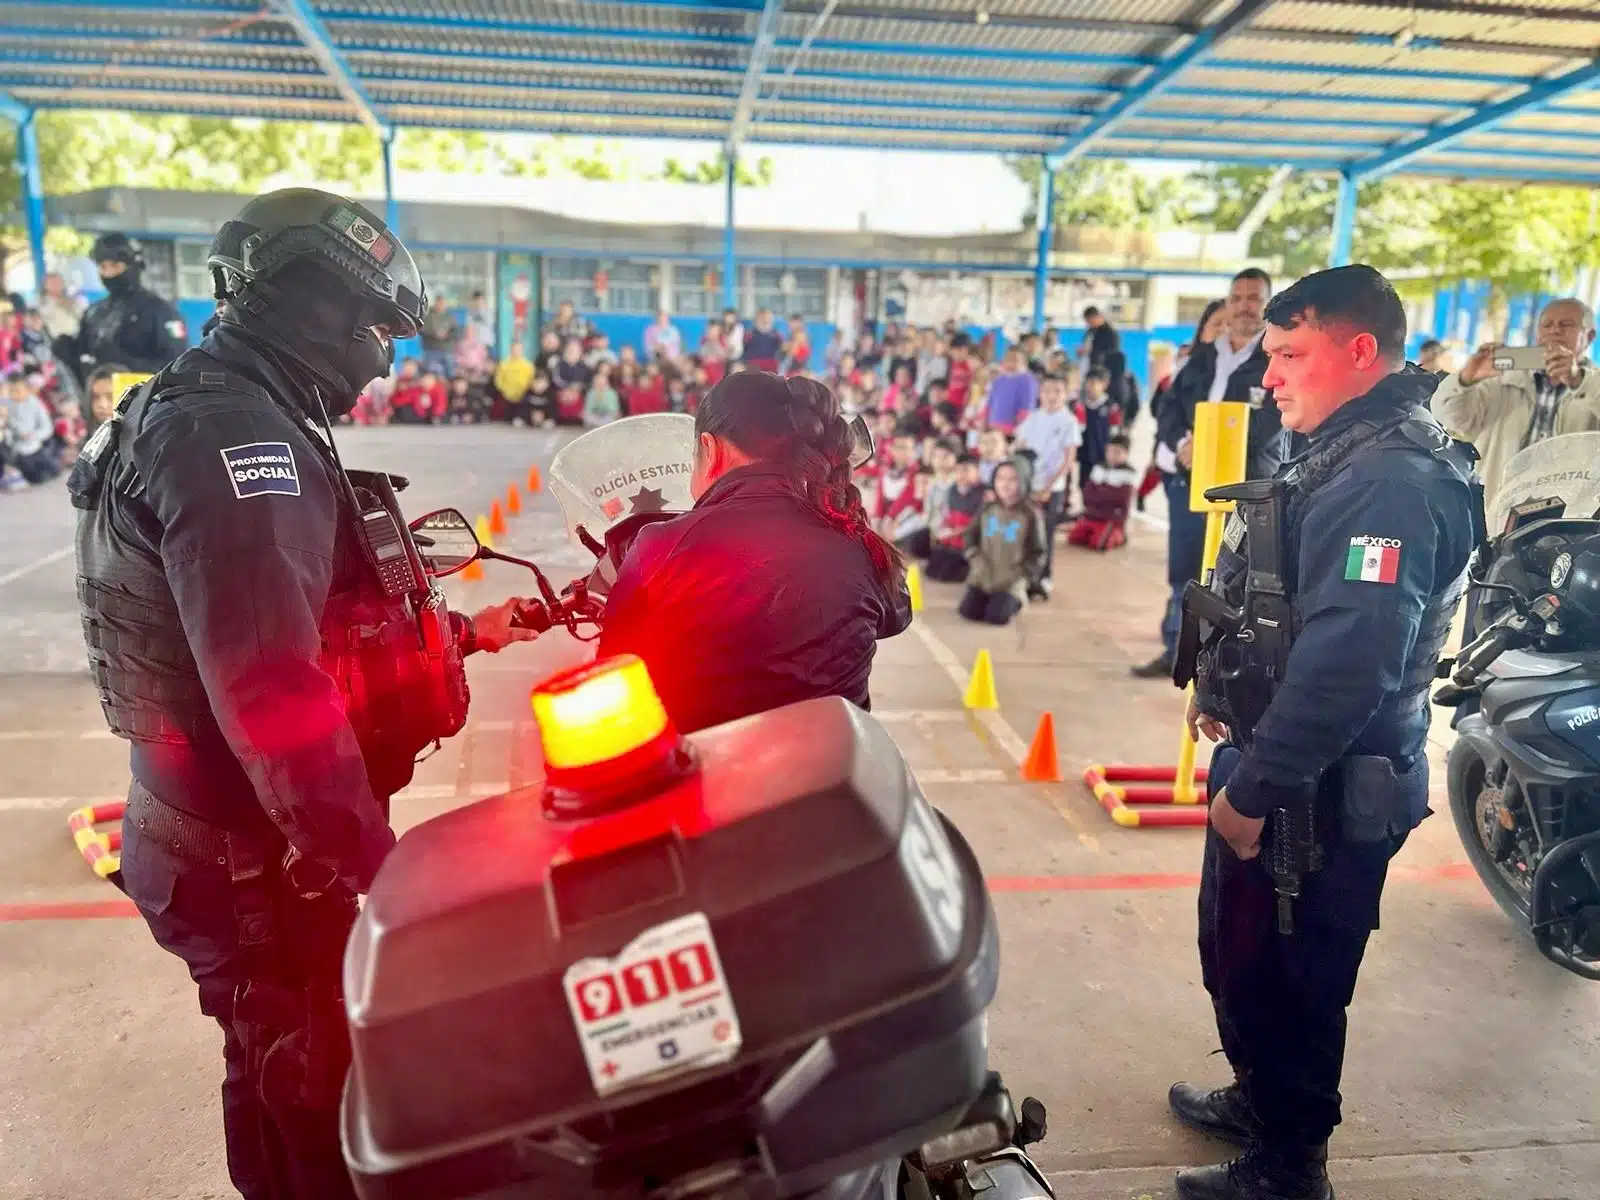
x: 661, y: 1007
x: 262, y: 469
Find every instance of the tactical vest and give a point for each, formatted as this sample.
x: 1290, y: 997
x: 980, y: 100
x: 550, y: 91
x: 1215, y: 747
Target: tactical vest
x: 398, y: 668
x: 1413, y: 432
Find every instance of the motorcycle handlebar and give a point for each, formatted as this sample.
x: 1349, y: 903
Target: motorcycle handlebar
x: 574, y: 607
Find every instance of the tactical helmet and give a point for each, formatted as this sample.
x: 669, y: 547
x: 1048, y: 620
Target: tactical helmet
x: 339, y: 235
x: 117, y: 247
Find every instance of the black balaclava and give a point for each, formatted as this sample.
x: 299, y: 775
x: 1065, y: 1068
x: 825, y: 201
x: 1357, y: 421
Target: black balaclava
x: 319, y: 324
x: 116, y: 247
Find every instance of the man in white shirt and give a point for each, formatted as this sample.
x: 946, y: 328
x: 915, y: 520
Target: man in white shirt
x: 1052, y: 433
x: 1231, y: 368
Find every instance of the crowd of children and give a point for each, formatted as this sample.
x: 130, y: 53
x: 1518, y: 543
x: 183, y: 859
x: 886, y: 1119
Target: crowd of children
x: 42, y: 425
x: 979, y: 464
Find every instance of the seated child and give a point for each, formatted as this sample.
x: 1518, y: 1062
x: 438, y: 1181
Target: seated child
x: 1107, y: 496
x: 947, y: 557
x: 1005, y: 547
x: 935, y: 488
x: 897, y: 509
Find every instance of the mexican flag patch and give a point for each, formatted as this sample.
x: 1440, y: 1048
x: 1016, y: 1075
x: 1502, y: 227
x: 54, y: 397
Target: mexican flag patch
x: 1373, y: 559
x: 361, y: 232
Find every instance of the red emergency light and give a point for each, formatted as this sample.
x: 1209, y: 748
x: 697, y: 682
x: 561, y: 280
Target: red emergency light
x: 607, y: 737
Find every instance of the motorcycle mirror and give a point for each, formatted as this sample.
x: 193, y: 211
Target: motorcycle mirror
x: 446, y: 541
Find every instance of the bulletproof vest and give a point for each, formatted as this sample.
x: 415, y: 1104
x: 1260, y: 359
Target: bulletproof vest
x: 1417, y: 431
x: 396, y: 665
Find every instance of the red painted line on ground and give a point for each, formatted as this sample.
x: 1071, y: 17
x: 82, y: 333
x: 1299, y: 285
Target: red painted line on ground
x: 90, y: 910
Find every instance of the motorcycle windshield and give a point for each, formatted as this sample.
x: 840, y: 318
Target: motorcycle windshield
x: 635, y: 465
x: 1565, y: 468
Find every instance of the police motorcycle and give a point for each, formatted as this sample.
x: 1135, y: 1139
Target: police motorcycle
x: 1524, y: 772
x: 633, y: 979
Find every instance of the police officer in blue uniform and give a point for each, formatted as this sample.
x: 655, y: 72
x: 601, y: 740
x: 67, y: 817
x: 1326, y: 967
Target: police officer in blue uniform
x: 131, y: 325
x: 244, y: 638
x: 1323, y: 770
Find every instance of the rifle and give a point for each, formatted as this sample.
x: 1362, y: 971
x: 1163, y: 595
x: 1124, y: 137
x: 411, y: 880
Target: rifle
x: 1250, y: 654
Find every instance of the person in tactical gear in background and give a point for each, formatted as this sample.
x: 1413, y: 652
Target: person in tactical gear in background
x: 1324, y: 771
x: 131, y: 325
x: 240, y: 636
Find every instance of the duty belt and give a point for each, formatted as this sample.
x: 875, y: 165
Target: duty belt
x: 187, y: 836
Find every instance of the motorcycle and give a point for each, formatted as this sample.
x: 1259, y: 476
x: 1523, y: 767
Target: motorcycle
x: 1524, y: 772
x: 627, y: 979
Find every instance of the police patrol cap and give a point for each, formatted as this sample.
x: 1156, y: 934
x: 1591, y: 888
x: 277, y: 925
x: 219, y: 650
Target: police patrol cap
x: 280, y: 227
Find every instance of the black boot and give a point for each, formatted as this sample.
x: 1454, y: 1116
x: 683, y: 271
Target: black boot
x: 1262, y: 1174
x: 1159, y: 667
x: 1221, y: 1112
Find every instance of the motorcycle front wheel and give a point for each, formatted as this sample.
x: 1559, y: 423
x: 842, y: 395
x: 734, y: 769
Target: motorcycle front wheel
x: 1467, y: 776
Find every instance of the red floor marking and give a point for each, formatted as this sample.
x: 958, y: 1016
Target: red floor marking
x: 1446, y: 873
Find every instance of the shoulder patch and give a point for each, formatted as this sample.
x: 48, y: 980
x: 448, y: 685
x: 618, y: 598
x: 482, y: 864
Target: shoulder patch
x: 262, y: 469
x: 176, y: 329
x: 1258, y: 397
x: 1373, y: 559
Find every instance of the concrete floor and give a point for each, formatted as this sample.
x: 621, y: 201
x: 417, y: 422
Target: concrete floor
x: 1474, y: 1070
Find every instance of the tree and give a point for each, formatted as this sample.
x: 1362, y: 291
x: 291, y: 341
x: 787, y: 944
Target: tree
x: 715, y: 170
x: 1108, y: 193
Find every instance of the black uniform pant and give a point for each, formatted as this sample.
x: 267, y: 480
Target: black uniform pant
x: 1279, y: 999
x: 275, y: 1151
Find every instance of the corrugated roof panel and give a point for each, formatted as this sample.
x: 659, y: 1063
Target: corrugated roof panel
x: 919, y: 120
x: 865, y: 135
x: 1308, y: 107
x: 576, y: 14
x: 1187, y: 149
x: 969, y: 36
x: 624, y: 80
x: 1233, y: 131
x: 1532, y: 145
x: 219, y: 55
x: 545, y: 100
x: 1541, y: 122
x: 149, y: 100
x: 445, y: 117
x: 185, y: 79
x: 1460, y: 24
x: 1580, y: 103
x: 1530, y: 166
x: 1335, y: 84
x: 977, y: 99
x: 145, y: 24
x: 969, y: 69
x: 1162, y: 11
x: 576, y: 46
x: 1488, y: 61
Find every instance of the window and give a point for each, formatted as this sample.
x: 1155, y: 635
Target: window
x: 159, y: 271
x: 697, y: 290
x: 194, y: 280
x: 1191, y: 308
x: 457, y: 274
x: 787, y: 291
x: 632, y: 287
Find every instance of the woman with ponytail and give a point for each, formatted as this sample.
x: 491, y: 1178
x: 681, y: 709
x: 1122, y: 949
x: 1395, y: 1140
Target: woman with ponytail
x: 774, y: 587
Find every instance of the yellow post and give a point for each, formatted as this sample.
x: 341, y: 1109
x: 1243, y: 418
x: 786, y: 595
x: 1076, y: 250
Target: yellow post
x: 1221, y: 433
x: 123, y: 380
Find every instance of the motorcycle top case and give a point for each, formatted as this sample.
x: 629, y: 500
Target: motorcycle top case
x: 778, y: 966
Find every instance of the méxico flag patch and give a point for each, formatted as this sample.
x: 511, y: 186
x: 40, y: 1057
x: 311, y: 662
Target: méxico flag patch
x: 350, y: 223
x: 1373, y: 559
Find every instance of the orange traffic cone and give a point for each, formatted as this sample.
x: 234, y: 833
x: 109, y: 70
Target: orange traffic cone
x: 473, y: 571
x: 1042, y: 765
x: 513, y: 500
x: 534, y: 482
x: 497, y: 519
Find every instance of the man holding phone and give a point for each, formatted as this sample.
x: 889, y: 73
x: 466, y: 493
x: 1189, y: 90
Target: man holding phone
x: 1508, y: 397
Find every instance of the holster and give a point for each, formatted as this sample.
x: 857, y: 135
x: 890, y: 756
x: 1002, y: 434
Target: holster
x: 1377, y: 801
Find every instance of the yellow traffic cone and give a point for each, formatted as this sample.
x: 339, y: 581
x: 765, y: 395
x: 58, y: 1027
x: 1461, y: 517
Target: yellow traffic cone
x: 914, y: 586
x: 481, y: 528
x: 980, y: 689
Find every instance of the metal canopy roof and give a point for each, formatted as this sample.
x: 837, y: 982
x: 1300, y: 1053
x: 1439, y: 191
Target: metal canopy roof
x: 1366, y: 87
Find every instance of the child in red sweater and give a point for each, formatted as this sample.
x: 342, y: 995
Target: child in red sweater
x: 1108, y: 494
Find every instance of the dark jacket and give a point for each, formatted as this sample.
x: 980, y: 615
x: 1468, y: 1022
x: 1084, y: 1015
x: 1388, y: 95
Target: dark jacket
x: 135, y: 328
x: 1376, y: 559
x: 206, y: 556
x: 1192, y: 388
x: 749, y: 602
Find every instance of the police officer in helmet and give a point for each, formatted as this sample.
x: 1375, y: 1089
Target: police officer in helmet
x: 1323, y: 769
x: 131, y: 325
x: 243, y: 639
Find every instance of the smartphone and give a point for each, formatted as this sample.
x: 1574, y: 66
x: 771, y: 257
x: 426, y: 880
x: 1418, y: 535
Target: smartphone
x: 1519, y: 358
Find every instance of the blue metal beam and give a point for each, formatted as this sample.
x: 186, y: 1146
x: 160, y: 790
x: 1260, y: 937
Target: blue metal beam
x: 730, y: 261
x: 391, y: 206
x: 1041, y: 257
x: 32, y: 183
x: 1344, y: 221
x: 314, y: 34
x: 1441, y: 136
x: 1200, y: 47
x: 755, y: 67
